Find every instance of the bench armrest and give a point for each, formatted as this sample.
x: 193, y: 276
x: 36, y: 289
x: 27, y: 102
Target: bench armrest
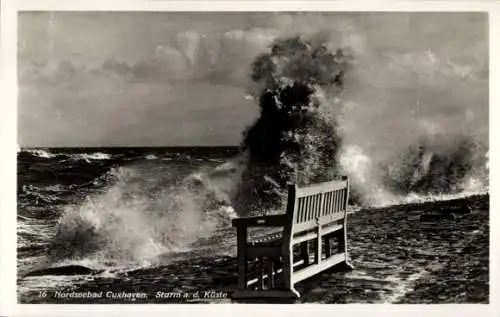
x: 260, y: 221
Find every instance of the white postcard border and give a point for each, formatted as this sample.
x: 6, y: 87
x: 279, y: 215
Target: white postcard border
x: 8, y: 146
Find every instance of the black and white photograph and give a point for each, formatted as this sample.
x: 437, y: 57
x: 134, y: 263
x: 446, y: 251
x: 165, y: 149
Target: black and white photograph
x: 321, y: 157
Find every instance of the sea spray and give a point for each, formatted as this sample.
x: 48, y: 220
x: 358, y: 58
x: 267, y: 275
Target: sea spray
x: 414, y: 118
x: 291, y: 141
x: 366, y: 184
x: 131, y: 221
x: 323, y: 114
x: 441, y: 164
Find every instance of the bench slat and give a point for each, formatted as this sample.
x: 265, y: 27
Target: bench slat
x: 267, y: 238
x: 314, y: 235
x: 325, y: 204
x: 315, y: 269
x: 330, y: 203
x: 278, y: 271
x: 260, y: 221
x: 298, y: 227
x: 341, y: 200
x: 277, y: 236
x: 320, y: 188
x: 250, y: 294
x: 333, y: 208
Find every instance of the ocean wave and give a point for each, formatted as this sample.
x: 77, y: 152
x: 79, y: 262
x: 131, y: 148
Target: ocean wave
x: 23, y: 218
x: 419, y: 175
x: 41, y: 194
x: 128, y: 222
x: 139, y: 213
x: 88, y: 157
x: 41, y: 153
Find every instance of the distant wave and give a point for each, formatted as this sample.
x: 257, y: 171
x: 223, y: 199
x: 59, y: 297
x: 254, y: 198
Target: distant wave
x: 91, y: 156
x: 46, y: 154
x: 41, y: 153
x: 103, y: 156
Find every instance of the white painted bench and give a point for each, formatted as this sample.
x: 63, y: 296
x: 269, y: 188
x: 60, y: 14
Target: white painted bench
x: 269, y: 266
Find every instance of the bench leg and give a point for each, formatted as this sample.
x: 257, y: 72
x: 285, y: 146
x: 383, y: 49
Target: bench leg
x: 260, y: 273
x: 270, y: 273
x: 287, y: 273
x: 304, y: 252
x: 328, y: 246
x: 271, y: 293
x: 242, y: 258
x: 342, y: 238
x: 319, y: 241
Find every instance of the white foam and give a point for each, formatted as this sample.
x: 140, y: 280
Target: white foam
x: 127, y: 224
x: 90, y: 156
x: 42, y: 153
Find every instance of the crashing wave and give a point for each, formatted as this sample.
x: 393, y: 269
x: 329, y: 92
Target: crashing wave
x: 130, y: 223
x: 41, y: 153
x: 291, y: 141
x: 450, y: 164
x: 303, y: 90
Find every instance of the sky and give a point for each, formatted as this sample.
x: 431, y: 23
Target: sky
x: 181, y: 79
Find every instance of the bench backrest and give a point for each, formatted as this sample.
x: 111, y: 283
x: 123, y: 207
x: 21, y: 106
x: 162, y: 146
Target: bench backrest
x: 324, y: 202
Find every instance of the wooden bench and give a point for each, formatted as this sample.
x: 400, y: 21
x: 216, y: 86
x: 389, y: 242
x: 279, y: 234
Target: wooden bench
x: 270, y: 265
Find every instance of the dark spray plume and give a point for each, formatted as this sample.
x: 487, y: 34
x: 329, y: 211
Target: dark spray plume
x: 291, y: 141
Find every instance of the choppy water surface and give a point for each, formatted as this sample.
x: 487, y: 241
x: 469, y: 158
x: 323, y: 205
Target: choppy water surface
x: 148, y: 221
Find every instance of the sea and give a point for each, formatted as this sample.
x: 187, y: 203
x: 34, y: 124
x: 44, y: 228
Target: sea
x: 152, y: 225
